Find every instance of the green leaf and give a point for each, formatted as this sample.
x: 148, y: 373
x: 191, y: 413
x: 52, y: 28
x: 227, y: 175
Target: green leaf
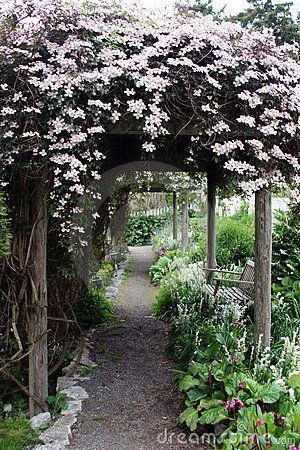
x: 293, y: 418
x: 252, y: 385
x: 270, y: 393
x: 188, y: 382
x: 198, y: 393
x: 231, y: 386
x: 196, y: 368
x: 190, y: 417
x: 213, y: 416
x: 210, y: 403
x: 294, y: 381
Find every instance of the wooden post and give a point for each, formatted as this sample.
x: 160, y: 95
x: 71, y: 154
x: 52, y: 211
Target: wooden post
x: 175, y: 216
x: 263, y: 258
x: 38, y: 355
x: 211, y: 225
x: 185, y: 220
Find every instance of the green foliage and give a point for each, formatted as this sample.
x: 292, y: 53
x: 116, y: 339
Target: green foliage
x: 140, y: 229
x: 286, y: 245
x: 57, y: 403
x: 4, y: 229
x: 276, y: 16
x: 106, y: 272
x: 16, y: 433
x: 235, y: 242
x: 160, y: 268
x: 285, y: 308
x: 223, y: 385
x: 93, y: 308
x: 164, y: 304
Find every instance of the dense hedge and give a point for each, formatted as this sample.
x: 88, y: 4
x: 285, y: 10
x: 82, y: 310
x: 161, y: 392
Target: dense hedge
x: 235, y: 242
x: 140, y: 229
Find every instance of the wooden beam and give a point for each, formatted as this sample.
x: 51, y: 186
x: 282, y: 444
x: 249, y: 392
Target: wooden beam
x: 175, y: 216
x: 211, y: 225
x: 263, y: 258
x: 185, y: 221
x: 38, y: 356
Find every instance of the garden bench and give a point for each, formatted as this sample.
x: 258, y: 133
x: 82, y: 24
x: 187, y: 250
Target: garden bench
x: 245, y: 284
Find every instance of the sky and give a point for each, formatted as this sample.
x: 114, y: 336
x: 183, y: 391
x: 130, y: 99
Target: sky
x: 232, y: 6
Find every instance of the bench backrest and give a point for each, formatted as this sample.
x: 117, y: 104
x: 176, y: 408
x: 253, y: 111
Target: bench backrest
x: 247, y: 275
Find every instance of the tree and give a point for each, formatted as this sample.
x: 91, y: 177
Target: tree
x: 276, y: 16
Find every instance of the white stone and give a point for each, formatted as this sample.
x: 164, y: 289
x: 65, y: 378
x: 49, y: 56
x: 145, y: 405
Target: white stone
x: 64, y: 383
x: 53, y: 446
x: 74, y: 407
x: 40, y: 419
x: 75, y: 393
x: 7, y: 408
x: 60, y: 432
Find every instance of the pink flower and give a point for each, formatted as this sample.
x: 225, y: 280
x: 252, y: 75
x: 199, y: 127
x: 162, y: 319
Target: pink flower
x: 235, y: 403
x: 259, y: 422
x: 241, y: 385
x: 252, y: 437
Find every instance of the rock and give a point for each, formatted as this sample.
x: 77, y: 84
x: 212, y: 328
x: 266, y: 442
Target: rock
x: 60, y: 432
x: 40, y: 419
x: 87, y: 362
x: 75, y: 393
x: 7, y: 408
x: 53, y: 446
x: 64, y: 383
x: 74, y: 407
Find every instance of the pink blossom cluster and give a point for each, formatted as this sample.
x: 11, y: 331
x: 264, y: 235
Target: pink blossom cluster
x: 235, y: 404
x: 71, y: 70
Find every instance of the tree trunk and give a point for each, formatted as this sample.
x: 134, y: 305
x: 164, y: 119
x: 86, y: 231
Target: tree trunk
x: 263, y: 259
x: 185, y: 220
x: 175, y: 216
x: 211, y: 226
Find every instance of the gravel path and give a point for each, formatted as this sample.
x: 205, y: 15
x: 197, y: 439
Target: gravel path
x: 132, y: 403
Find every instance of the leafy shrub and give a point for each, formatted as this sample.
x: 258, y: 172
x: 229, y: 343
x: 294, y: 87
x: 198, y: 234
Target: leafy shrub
x: 164, y: 304
x: 235, y: 242
x: 4, y: 229
x: 57, y: 403
x: 140, y: 229
x: 106, y: 272
x: 93, y: 308
x: 286, y: 245
x: 257, y: 400
x: 160, y: 268
x: 285, y: 309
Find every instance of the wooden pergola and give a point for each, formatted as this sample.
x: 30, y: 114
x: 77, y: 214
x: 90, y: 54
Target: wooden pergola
x: 125, y: 147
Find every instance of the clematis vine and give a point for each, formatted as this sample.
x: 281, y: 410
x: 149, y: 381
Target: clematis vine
x: 70, y: 71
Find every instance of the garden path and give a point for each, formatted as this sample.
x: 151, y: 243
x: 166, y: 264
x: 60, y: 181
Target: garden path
x: 132, y: 403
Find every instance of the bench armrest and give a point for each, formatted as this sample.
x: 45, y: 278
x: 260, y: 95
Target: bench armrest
x: 233, y: 281
x: 222, y: 271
